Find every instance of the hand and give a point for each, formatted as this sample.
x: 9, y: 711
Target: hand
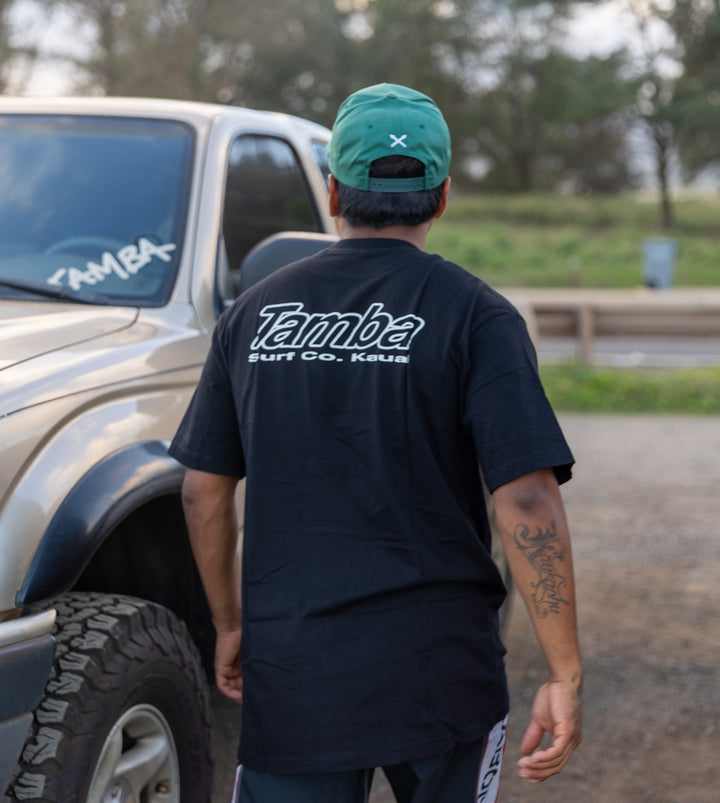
x: 228, y: 671
x: 557, y: 710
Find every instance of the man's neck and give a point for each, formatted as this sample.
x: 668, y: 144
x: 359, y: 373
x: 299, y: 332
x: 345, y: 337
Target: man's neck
x: 416, y: 235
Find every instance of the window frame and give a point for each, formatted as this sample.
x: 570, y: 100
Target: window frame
x: 224, y: 271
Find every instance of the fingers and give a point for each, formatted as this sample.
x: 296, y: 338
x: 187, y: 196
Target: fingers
x: 228, y: 669
x: 557, y: 711
x: 532, y: 738
x: 228, y: 677
x: 543, y: 764
x: 230, y: 685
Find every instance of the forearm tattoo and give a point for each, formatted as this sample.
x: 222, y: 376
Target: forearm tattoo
x: 544, y: 552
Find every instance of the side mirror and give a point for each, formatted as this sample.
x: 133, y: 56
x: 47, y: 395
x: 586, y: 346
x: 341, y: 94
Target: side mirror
x: 277, y: 251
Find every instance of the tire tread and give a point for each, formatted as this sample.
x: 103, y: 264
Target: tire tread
x: 98, y: 636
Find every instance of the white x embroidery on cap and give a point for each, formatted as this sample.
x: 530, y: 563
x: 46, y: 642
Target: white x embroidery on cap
x: 398, y: 140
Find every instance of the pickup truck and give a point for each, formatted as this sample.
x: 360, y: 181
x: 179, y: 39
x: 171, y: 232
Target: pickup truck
x: 126, y: 227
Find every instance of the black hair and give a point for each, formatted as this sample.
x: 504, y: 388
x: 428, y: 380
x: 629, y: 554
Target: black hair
x: 382, y: 209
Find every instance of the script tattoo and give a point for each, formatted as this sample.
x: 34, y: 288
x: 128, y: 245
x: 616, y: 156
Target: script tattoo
x: 543, y: 552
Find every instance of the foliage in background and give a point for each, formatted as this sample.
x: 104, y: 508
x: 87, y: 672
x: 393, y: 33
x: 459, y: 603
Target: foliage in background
x: 654, y: 93
x: 694, y: 112
x: 17, y: 56
x: 526, y: 113
x: 552, y: 118
x: 561, y: 241
x: 580, y: 388
x: 140, y: 47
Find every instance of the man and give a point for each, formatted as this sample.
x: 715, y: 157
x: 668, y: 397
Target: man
x: 366, y: 393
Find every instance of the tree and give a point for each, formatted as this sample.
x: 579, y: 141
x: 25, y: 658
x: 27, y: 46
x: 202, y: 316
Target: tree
x: 140, y: 47
x: 18, y: 54
x: 511, y: 100
x: 290, y: 55
x: 694, y: 110
x: 548, y: 119
x: 6, y: 51
x: 305, y: 56
x: 532, y: 115
x: 655, y: 79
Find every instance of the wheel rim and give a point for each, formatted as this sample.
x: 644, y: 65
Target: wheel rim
x: 138, y: 762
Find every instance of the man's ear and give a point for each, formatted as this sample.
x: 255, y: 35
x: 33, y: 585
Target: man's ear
x: 333, y: 203
x: 442, y: 206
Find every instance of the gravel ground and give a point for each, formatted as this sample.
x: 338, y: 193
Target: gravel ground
x: 644, y: 508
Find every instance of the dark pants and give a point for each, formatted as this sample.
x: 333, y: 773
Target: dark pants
x: 468, y: 773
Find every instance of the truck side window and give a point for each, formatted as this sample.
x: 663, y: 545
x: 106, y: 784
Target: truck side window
x: 320, y: 152
x: 266, y: 193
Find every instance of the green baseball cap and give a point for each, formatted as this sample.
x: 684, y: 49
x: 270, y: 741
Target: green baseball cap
x: 389, y: 120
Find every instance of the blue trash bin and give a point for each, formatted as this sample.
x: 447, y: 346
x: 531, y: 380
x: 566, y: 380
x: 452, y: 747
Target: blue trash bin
x: 659, y: 261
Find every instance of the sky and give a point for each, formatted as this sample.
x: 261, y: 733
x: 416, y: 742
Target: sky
x: 51, y: 32
x: 598, y: 29
x: 602, y: 27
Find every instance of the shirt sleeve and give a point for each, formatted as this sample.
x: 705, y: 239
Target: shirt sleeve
x: 514, y: 428
x: 209, y: 435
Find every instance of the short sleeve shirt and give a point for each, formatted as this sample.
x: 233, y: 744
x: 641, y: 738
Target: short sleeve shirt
x: 365, y: 393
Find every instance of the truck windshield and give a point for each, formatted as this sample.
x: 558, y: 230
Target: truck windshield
x: 92, y: 207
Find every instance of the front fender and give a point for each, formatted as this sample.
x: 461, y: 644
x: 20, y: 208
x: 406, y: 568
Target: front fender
x: 99, y: 501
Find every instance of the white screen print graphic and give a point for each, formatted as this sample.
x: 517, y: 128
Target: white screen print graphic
x: 286, y: 331
x: 125, y: 263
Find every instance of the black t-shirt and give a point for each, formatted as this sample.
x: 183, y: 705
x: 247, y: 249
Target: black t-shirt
x: 359, y: 390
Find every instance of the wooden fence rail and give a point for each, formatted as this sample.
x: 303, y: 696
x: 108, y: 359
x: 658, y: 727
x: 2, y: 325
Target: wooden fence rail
x: 587, y: 314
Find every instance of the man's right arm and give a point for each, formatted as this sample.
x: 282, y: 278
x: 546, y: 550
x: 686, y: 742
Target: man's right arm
x: 209, y: 505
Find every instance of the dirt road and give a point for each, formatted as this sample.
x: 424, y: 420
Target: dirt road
x: 644, y: 508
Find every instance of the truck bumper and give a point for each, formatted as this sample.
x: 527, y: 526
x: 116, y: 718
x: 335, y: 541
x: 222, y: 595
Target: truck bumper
x: 26, y: 654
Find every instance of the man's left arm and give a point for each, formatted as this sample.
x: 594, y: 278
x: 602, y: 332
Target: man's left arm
x: 210, y: 514
x: 530, y: 516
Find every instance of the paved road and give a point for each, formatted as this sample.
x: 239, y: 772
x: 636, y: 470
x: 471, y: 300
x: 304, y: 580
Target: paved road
x: 650, y: 352
x: 644, y: 510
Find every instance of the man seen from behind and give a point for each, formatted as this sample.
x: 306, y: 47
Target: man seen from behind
x: 367, y: 393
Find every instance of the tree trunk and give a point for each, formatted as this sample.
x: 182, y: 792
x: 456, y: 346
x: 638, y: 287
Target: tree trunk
x: 663, y: 142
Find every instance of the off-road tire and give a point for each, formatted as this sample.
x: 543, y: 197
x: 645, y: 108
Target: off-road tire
x: 115, y: 653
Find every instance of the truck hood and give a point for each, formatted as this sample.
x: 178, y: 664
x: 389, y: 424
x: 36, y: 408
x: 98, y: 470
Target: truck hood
x: 30, y: 329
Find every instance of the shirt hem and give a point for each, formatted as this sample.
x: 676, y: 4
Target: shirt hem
x: 560, y: 461
x: 210, y: 465
x: 283, y: 765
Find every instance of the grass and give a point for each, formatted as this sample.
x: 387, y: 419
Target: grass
x: 559, y: 241
x: 580, y: 388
